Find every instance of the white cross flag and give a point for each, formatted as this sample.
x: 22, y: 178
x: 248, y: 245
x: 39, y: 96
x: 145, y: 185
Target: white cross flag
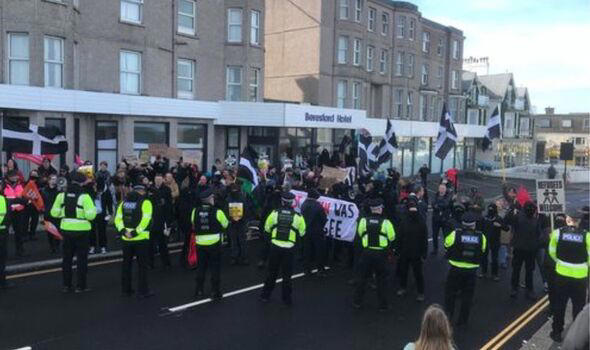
x: 32, y: 139
x: 447, y: 135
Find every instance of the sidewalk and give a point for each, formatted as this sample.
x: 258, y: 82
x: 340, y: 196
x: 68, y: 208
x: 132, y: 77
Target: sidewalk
x: 541, y: 340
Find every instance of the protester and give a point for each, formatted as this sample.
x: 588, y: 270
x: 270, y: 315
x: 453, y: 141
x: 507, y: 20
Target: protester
x: 435, y: 331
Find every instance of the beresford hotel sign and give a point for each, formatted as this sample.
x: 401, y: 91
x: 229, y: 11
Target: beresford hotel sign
x: 305, y: 116
x: 328, y: 118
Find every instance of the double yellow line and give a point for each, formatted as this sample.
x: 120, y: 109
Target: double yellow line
x: 507, y: 333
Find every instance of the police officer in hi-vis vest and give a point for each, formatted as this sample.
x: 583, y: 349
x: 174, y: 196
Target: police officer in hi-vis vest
x: 569, y: 247
x: 283, y: 225
x: 375, y: 233
x: 4, y: 223
x: 465, y: 248
x: 209, y: 223
x: 75, y: 209
x: 133, y: 220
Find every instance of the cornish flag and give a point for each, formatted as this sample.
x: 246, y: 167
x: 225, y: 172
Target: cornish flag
x: 350, y: 176
x: 388, y: 145
x: 494, y: 130
x: 33, y: 140
x: 248, y: 169
x: 447, y: 135
x: 368, y: 152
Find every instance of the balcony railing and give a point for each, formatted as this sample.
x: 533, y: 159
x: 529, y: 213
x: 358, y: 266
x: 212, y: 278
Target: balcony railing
x: 483, y: 100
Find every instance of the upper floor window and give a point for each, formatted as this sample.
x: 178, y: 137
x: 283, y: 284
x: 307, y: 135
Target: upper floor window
x: 412, y: 29
x: 370, y: 55
x: 385, y: 23
x: 383, y: 62
x: 566, y: 123
x: 544, y: 123
x: 410, y: 104
x: 341, y: 93
x: 454, y: 79
x: 187, y: 16
x: 455, y: 50
x: 411, y: 64
x: 425, y: 42
x: 185, y: 78
x: 424, y: 79
x: 356, y: 95
x: 255, y: 27
x: 399, y: 96
x: 342, y: 49
x: 255, y: 85
x: 130, y: 72
x: 343, y: 9
x: 371, y: 19
x: 401, y: 27
x: 234, y: 83
x: 439, y: 48
x: 131, y: 11
x: 358, y: 10
x: 399, y: 63
x: 356, y: 57
x: 53, y: 61
x: 234, y: 25
x: 439, y: 76
x: 18, y: 58
x: 586, y: 123
x: 580, y: 141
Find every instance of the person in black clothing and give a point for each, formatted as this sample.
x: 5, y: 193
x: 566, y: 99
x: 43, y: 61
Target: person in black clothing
x: 49, y: 193
x: 412, y: 247
x: 492, y: 225
x: 424, y: 171
x: 390, y: 200
x: 104, y: 211
x: 238, y: 210
x: 272, y: 199
x: 45, y: 170
x: 315, y: 240
x: 441, y: 211
x: 525, y: 241
x: 161, y: 199
x: 33, y: 213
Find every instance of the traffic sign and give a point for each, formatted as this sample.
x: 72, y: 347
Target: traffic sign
x: 550, y: 196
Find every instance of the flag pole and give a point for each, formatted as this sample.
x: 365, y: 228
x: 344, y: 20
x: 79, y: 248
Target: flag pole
x: 502, y: 160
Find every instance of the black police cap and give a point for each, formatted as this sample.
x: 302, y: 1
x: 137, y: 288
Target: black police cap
x: 78, y: 178
x: 468, y: 219
x: 287, y: 196
x: 375, y: 203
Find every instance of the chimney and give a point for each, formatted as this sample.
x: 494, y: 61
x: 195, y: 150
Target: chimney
x: 549, y: 110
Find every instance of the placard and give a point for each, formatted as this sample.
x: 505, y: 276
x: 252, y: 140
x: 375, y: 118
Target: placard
x: 550, y: 196
x: 174, y: 154
x: 158, y: 149
x: 332, y: 176
x: 192, y: 157
x: 131, y: 159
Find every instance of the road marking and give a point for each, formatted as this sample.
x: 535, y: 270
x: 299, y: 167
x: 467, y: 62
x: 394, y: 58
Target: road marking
x: 517, y: 329
x: 235, y: 292
x: 517, y: 324
x: 25, y: 348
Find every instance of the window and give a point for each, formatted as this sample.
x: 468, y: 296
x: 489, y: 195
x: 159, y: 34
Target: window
x: 356, y: 95
x: 412, y: 29
x: 401, y: 27
x: 411, y: 62
x: 131, y: 11
x: 356, y: 59
x: 185, y: 79
x: 233, y: 141
x: 60, y: 124
x: 76, y: 3
x: 145, y: 133
x: 187, y: 16
x: 342, y: 92
x: 383, y: 62
x: 191, y: 137
x: 566, y: 123
x: 544, y: 123
x: 455, y: 49
x: 586, y: 123
x: 439, y: 76
x: 255, y: 27
x: 370, y: 55
x: 385, y: 23
x: 454, y: 79
x: 524, y: 126
x: 580, y: 141
x: 423, y: 107
x: 106, y: 144
x: 424, y: 80
x: 410, y: 104
x: 255, y: 85
x: 54, y: 61
x: 371, y: 19
x: 130, y: 72
x: 439, y: 47
x: 426, y: 42
x: 358, y: 10
x: 472, y: 116
x: 399, y: 96
x: 344, y: 9
x: 18, y: 59
x: 432, y: 106
x: 453, y: 108
x: 508, y: 130
x: 342, y: 49
x: 399, y: 64
x: 234, y: 25
x: 234, y: 83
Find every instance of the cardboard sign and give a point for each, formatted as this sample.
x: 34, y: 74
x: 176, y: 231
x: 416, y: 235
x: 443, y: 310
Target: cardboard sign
x: 192, y: 157
x: 174, y: 153
x: 550, y: 196
x: 158, y: 149
x: 144, y: 156
x: 332, y: 176
x: 131, y: 159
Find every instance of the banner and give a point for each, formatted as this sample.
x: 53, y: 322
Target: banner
x: 31, y: 192
x: 342, y: 216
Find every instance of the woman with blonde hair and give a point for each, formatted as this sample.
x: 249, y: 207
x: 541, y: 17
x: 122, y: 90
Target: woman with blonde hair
x: 435, y: 332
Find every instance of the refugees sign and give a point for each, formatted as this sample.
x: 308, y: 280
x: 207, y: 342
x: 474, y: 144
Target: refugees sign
x: 342, y: 216
x: 550, y: 196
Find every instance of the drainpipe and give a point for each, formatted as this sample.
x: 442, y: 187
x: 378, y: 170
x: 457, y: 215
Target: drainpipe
x: 173, y: 50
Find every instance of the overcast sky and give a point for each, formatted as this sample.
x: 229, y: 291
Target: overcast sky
x: 545, y: 43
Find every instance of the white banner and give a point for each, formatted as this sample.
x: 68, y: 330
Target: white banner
x: 342, y: 215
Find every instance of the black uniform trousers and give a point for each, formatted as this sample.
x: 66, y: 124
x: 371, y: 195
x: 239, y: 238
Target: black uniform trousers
x: 137, y: 249
x: 437, y: 226
x: 75, y: 243
x: 520, y: 257
x: 279, y: 258
x: 32, y: 220
x: 314, y: 250
x: 372, y: 261
x: 237, y: 237
x: 98, y: 236
x: 209, y: 258
x: 158, y: 239
x: 567, y: 288
x: 460, y: 280
x: 20, y: 226
x: 3, y: 253
x: 492, y: 249
x: 404, y: 264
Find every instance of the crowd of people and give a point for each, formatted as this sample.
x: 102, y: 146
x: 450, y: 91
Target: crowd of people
x: 152, y: 203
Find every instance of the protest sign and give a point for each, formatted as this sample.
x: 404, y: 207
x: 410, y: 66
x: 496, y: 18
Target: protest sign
x: 332, y: 176
x: 192, y: 157
x: 157, y: 149
x: 550, y: 196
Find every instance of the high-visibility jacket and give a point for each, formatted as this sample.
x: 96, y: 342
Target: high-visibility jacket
x: 208, y: 232
x: 375, y: 232
x: 3, y: 213
x: 284, y: 227
x: 12, y: 192
x: 569, y: 247
x: 85, y: 212
x: 455, y: 259
x: 142, y: 229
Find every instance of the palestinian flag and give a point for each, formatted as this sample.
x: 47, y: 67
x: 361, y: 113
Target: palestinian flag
x: 248, y: 169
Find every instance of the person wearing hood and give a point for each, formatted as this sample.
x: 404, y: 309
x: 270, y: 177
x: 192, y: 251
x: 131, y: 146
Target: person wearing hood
x: 13, y: 192
x: 76, y: 210
x: 441, y: 212
x: 412, y: 246
x: 238, y: 210
x: 492, y: 224
x: 161, y: 199
x: 45, y: 170
x: 315, y: 240
x: 49, y: 194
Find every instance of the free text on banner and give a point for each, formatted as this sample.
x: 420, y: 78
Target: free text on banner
x: 342, y: 215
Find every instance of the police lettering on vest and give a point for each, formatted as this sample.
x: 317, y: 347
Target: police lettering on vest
x: 132, y: 213
x: 571, y: 246
x: 467, y: 247
x: 285, y: 225
x: 206, y: 221
x: 374, y: 231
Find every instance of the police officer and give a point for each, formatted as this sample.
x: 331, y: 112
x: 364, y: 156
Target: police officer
x: 569, y: 247
x: 76, y: 210
x: 492, y: 225
x: 133, y: 222
x: 209, y: 223
x: 283, y: 225
x: 441, y: 211
x: 4, y: 223
x: 376, y: 233
x: 465, y: 247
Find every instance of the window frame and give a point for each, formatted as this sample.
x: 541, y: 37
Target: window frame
x: 97, y: 149
x: 563, y: 123
x: 11, y: 58
x: 399, y: 109
x: 357, y: 95
x: 410, y: 104
x: 228, y: 84
x: 384, y: 23
x: 47, y: 62
x: 342, y: 50
x: 230, y: 24
x: 411, y: 65
x: 401, y: 27
x: 139, y: 4
x: 425, y: 42
x: 185, y: 30
x: 356, y: 52
x: 371, y: 21
x: 358, y: 11
x: 383, y: 61
x: 424, y: 75
x: 399, y: 63
x: 455, y: 49
x: 344, y: 4
x: 440, y: 75
x: 454, y: 79
x: 139, y: 73
x: 341, y: 99
x: 166, y: 130
x: 440, y: 47
x: 370, y: 58
x: 254, y: 84
x: 183, y: 93
x: 411, y: 29
x: 255, y: 29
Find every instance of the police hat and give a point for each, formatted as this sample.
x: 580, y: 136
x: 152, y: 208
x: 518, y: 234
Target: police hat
x: 78, y: 178
x: 375, y: 203
x: 468, y: 219
x: 313, y: 194
x: 206, y: 193
x: 139, y: 187
x: 287, y: 196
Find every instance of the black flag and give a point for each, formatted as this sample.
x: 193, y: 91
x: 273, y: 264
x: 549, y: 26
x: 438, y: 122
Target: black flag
x: 33, y: 139
x: 447, y: 135
x: 494, y: 129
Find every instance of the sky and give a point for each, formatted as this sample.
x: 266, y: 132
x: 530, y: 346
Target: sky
x: 544, y: 43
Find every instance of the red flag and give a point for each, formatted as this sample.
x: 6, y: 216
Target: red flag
x: 31, y: 192
x: 33, y: 158
x: 49, y: 227
x: 192, y: 253
x: 523, y: 196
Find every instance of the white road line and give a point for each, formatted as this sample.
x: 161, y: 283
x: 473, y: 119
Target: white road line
x: 25, y: 348
x: 235, y: 292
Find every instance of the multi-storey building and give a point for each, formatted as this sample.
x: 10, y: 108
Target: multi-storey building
x: 551, y: 129
x: 116, y: 75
